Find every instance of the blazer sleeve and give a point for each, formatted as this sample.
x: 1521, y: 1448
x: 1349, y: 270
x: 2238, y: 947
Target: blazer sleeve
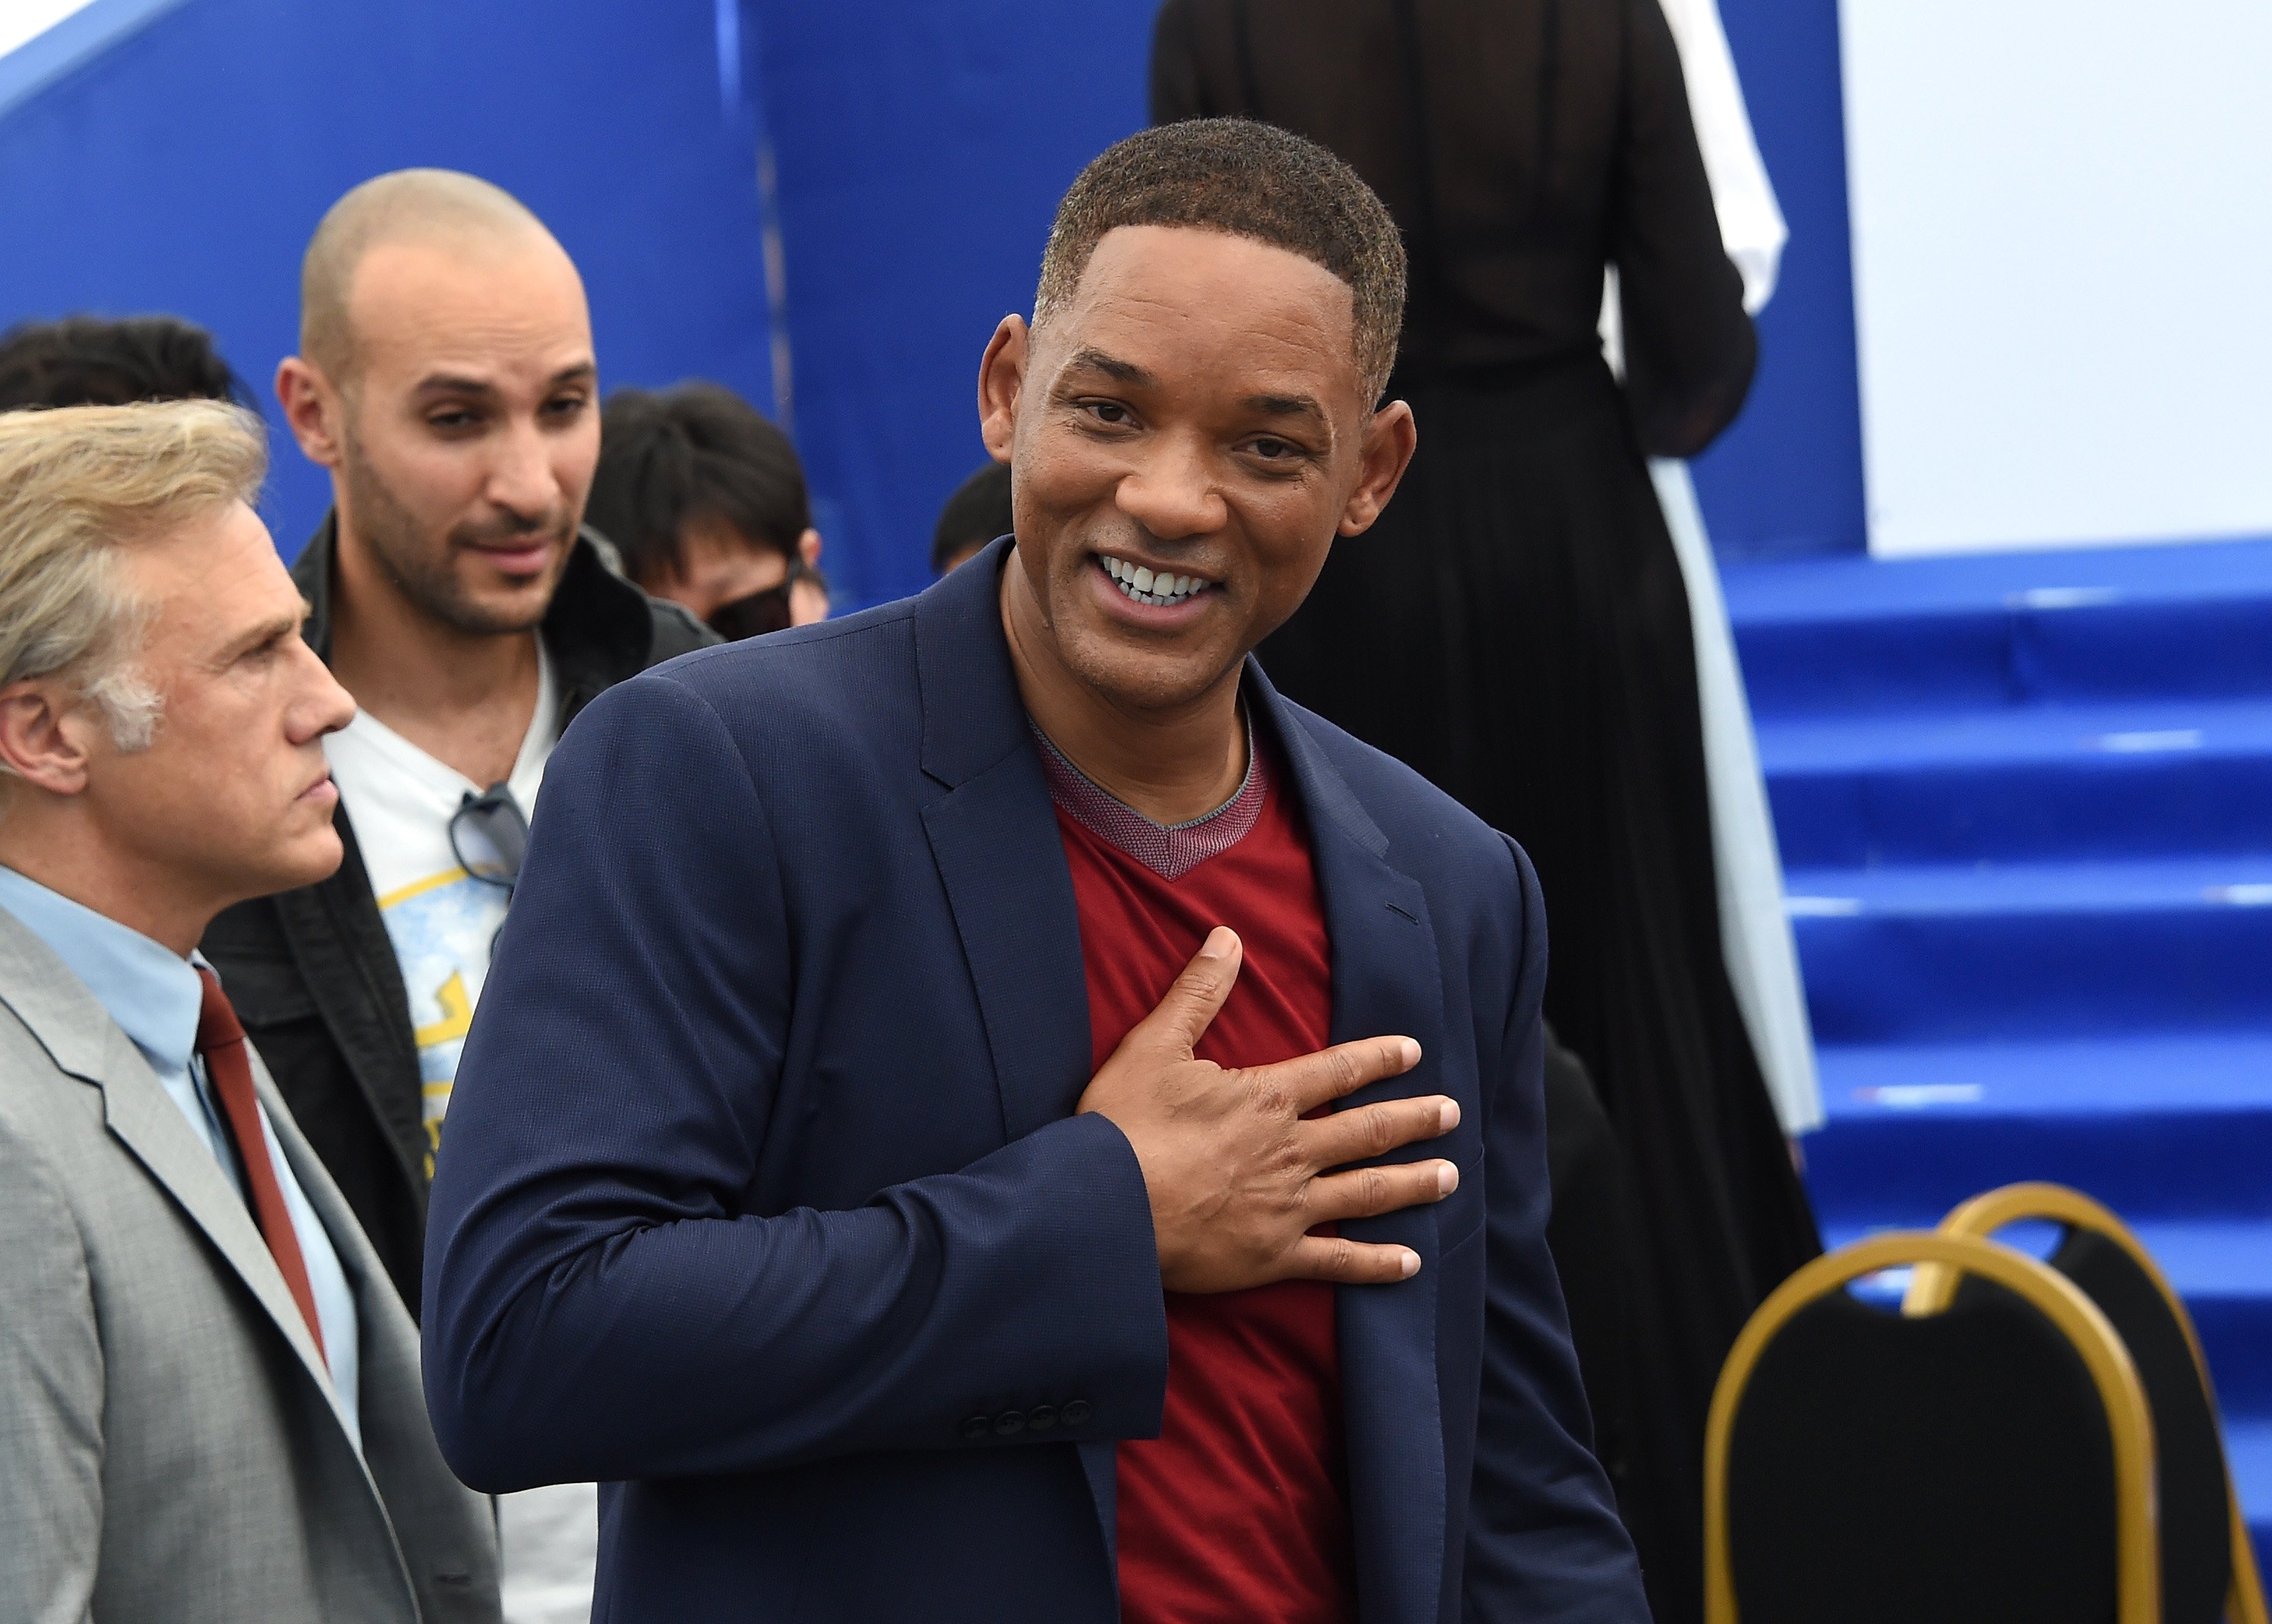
x: 598, y: 1302
x: 51, y: 1380
x: 1544, y: 1541
x: 1689, y: 348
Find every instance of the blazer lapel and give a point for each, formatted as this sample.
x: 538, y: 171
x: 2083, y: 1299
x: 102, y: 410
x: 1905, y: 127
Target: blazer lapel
x: 1386, y: 979
x: 994, y: 835
x: 85, y: 1042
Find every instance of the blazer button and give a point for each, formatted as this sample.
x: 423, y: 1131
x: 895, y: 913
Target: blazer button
x: 976, y: 1427
x: 1009, y: 1424
x: 1075, y: 1413
x: 1040, y: 1418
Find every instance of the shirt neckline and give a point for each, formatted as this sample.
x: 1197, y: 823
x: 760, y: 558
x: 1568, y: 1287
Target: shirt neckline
x: 1169, y: 850
x: 528, y: 762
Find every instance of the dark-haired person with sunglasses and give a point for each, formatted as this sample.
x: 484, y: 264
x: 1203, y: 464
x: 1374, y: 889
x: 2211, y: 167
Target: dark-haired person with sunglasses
x: 706, y: 501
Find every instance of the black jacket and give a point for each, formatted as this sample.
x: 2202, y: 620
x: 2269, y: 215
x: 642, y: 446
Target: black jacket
x: 311, y: 972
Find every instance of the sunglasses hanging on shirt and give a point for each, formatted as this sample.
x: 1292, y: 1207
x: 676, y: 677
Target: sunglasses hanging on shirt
x: 488, y: 836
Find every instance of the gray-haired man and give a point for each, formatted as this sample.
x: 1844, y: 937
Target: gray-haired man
x: 209, y: 1400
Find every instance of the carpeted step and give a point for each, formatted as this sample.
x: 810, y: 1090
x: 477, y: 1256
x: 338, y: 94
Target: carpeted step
x: 1861, y: 635
x: 2025, y: 804
x: 2037, y: 783
x: 2157, y: 1126
x: 2248, y: 1450
x: 1953, y: 953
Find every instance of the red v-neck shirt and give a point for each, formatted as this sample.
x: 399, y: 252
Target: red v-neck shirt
x: 1238, y: 1512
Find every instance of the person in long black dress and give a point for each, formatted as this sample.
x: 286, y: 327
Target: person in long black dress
x: 1515, y: 626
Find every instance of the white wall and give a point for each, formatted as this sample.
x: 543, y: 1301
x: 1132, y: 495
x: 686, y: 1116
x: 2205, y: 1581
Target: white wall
x: 2062, y: 218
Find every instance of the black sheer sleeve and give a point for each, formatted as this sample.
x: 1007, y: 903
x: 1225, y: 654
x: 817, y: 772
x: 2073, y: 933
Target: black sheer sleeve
x: 1689, y: 347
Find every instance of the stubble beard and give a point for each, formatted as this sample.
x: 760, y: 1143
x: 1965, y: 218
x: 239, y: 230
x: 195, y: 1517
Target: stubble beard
x: 422, y: 570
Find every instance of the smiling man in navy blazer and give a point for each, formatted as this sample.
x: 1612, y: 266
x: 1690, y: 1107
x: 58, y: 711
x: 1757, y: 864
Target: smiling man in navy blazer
x: 873, y: 1159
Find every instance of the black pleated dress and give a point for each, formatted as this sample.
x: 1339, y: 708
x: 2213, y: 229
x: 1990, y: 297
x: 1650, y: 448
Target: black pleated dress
x: 1515, y: 625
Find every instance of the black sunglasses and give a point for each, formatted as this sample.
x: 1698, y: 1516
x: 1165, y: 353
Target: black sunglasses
x: 496, y: 818
x: 761, y: 612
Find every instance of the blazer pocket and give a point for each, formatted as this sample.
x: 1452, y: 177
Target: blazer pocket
x: 1469, y: 1220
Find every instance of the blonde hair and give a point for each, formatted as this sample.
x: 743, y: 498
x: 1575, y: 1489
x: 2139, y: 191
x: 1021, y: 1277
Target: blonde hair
x: 77, y: 485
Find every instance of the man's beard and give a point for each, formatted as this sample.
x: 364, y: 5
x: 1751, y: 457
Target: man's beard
x: 422, y: 572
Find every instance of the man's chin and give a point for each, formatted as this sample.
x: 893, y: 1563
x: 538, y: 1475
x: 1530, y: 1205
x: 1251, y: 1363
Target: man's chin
x: 494, y: 612
x: 1138, y: 675
x: 305, y: 857
x: 483, y: 599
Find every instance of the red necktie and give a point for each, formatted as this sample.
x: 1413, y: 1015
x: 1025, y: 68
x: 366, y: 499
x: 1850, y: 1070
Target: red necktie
x: 220, y: 1040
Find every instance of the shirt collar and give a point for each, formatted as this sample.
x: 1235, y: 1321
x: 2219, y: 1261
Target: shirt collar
x: 150, y: 990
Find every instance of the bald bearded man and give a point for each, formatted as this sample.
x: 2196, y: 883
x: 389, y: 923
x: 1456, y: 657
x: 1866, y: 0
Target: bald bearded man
x: 446, y: 379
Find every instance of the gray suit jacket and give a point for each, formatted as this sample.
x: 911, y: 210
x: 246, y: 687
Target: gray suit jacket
x: 168, y: 1448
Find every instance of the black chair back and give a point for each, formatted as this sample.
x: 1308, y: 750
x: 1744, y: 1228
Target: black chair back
x: 2209, y: 1571
x: 1986, y: 1463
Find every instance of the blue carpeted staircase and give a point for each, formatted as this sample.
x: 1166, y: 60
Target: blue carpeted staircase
x: 2025, y: 804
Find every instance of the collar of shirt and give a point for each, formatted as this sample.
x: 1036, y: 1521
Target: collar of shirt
x: 150, y: 990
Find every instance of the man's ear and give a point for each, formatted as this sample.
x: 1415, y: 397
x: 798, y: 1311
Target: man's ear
x: 1383, y: 454
x: 1001, y: 381
x: 45, y: 730
x: 313, y: 409
x: 807, y: 548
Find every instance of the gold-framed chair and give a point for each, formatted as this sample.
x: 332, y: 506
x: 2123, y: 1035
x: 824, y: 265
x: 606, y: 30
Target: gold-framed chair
x: 2203, y: 1578
x: 1961, y: 1464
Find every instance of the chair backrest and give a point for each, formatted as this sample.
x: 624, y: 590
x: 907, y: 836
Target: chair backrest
x: 1990, y: 1462
x: 2208, y: 1565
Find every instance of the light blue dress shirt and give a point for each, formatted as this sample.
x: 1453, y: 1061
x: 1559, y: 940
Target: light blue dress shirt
x: 155, y: 995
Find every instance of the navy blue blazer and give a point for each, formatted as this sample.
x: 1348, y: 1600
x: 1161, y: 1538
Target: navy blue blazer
x: 761, y: 1200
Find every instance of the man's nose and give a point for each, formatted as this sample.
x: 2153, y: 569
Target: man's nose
x: 522, y: 480
x: 1172, y: 491
x: 319, y: 705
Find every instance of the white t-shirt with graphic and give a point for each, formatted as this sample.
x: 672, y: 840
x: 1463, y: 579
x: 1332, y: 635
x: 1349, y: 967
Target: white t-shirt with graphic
x: 441, y: 918
x: 443, y: 922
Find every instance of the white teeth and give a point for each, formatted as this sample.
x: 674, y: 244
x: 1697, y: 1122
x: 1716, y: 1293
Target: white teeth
x: 1147, y: 586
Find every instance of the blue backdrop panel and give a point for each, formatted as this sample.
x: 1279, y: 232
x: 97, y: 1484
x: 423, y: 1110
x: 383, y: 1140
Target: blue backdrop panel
x: 923, y: 147
x: 1787, y: 478
x: 183, y: 167
x: 920, y: 144
x: 923, y: 143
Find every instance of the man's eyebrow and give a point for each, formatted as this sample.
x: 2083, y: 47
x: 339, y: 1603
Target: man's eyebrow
x: 459, y: 384
x: 1118, y: 370
x: 455, y: 383
x: 266, y: 632
x: 1284, y: 406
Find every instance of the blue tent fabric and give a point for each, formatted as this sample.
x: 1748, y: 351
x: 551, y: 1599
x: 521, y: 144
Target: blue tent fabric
x: 183, y: 167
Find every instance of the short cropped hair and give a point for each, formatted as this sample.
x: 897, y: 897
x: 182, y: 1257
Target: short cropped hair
x: 977, y: 512
x: 697, y: 450
x: 93, y: 361
x: 1250, y: 180
x: 77, y: 486
x: 407, y: 205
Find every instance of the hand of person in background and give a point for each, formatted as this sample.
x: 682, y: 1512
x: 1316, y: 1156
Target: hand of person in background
x: 1235, y: 1175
